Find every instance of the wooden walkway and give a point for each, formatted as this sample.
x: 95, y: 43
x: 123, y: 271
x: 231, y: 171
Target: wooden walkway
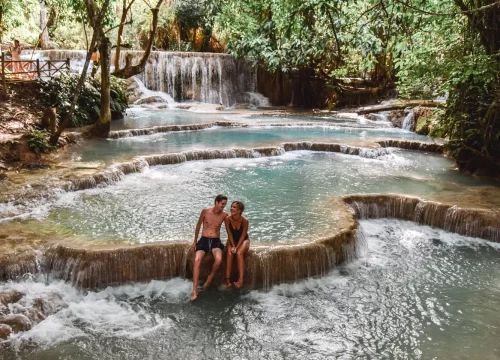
x: 29, y: 70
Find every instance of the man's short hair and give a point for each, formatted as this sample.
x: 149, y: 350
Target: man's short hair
x: 220, y: 197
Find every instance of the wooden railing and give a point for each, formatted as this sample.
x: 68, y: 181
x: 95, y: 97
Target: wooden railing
x: 31, y: 69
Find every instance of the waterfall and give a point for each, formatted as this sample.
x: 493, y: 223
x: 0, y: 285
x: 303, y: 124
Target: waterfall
x: 468, y: 222
x: 413, y: 145
x: 146, y: 93
x: 266, y: 265
x: 76, y: 57
x: 257, y: 99
x: 200, y: 77
x: 409, y: 121
x: 116, y: 172
x: 382, y: 117
x: 186, y: 76
x: 171, y: 128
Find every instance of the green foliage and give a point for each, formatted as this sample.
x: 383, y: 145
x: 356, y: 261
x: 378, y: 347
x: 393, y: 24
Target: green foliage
x: 135, y: 35
x: 472, y: 121
x: 59, y: 91
x: 192, y: 13
x: 119, y: 100
x: 20, y: 21
x: 283, y: 35
x: 181, y: 46
x: 38, y: 141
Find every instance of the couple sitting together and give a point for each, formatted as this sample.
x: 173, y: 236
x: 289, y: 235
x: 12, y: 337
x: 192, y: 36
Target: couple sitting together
x: 237, y: 241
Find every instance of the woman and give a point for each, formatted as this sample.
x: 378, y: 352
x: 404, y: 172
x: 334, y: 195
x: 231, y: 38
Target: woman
x: 237, y: 243
x: 15, y: 52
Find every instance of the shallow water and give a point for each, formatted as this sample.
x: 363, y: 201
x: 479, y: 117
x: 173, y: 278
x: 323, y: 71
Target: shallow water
x: 287, y: 197
x: 138, y: 117
x: 414, y: 293
x: 112, y: 150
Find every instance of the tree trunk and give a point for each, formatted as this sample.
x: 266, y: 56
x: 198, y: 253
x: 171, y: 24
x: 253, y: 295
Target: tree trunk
x: 44, y: 37
x: 194, y: 39
x: 123, y: 22
x: 400, y: 105
x: 51, y: 22
x: 101, y: 128
x: 183, y: 33
x: 103, y: 125
x: 1, y: 22
x: 130, y: 70
x: 207, y: 34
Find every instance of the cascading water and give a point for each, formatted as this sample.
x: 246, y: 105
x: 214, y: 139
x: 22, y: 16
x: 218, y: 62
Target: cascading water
x: 200, y: 77
x: 257, y: 99
x: 300, y: 229
x: 160, y: 95
x: 186, y: 76
x: 409, y: 121
x: 76, y: 57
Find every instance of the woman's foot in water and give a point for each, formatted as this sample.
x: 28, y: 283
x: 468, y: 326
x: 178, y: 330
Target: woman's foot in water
x: 194, y: 295
x: 238, y: 284
x: 228, y: 283
x: 207, y: 283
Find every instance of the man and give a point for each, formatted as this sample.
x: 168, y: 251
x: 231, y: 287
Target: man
x: 212, y: 219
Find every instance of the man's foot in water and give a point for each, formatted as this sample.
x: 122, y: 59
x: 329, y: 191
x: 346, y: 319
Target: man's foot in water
x: 238, y: 284
x: 228, y: 283
x: 194, y: 295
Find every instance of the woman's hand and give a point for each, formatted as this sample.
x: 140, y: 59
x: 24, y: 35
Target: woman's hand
x: 233, y: 249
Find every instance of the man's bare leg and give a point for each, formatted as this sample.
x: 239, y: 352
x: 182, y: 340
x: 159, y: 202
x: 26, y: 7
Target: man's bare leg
x: 229, y: 266
x: 196, y: 273
x: 240, y: 258
x: 217, y: 261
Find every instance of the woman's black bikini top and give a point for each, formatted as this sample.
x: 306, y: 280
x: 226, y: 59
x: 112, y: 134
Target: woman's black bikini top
x: 237, y: 233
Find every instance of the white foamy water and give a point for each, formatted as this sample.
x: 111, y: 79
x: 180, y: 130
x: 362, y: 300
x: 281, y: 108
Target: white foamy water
x: 257, y: 99
x: 412, y: 294
x: 113, y: 312
x: 146, y: 93
x: 409, y: 122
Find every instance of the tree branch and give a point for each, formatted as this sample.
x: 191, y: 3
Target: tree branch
x: 460, y: 3
x: 131, y: 70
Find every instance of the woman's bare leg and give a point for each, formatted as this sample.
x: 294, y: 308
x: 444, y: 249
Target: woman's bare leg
x: 241, y: 262
x: 229, y: 266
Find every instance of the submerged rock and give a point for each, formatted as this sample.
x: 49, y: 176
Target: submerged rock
x: 149, y: 100
x: 10, y: 297
x: 396, y: 118
x: 5, y: 331
x: 18, y: 322
x: 35, y: 166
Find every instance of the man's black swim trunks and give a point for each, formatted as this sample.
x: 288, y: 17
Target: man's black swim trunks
x: 207, y: 244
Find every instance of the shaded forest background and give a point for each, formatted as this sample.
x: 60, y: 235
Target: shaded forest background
x: 369, y: 49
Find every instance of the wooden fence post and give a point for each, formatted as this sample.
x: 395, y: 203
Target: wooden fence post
x: 4, y: 83
x: 50, y: 74
x: 67, y: 64
x: 38, y: 68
